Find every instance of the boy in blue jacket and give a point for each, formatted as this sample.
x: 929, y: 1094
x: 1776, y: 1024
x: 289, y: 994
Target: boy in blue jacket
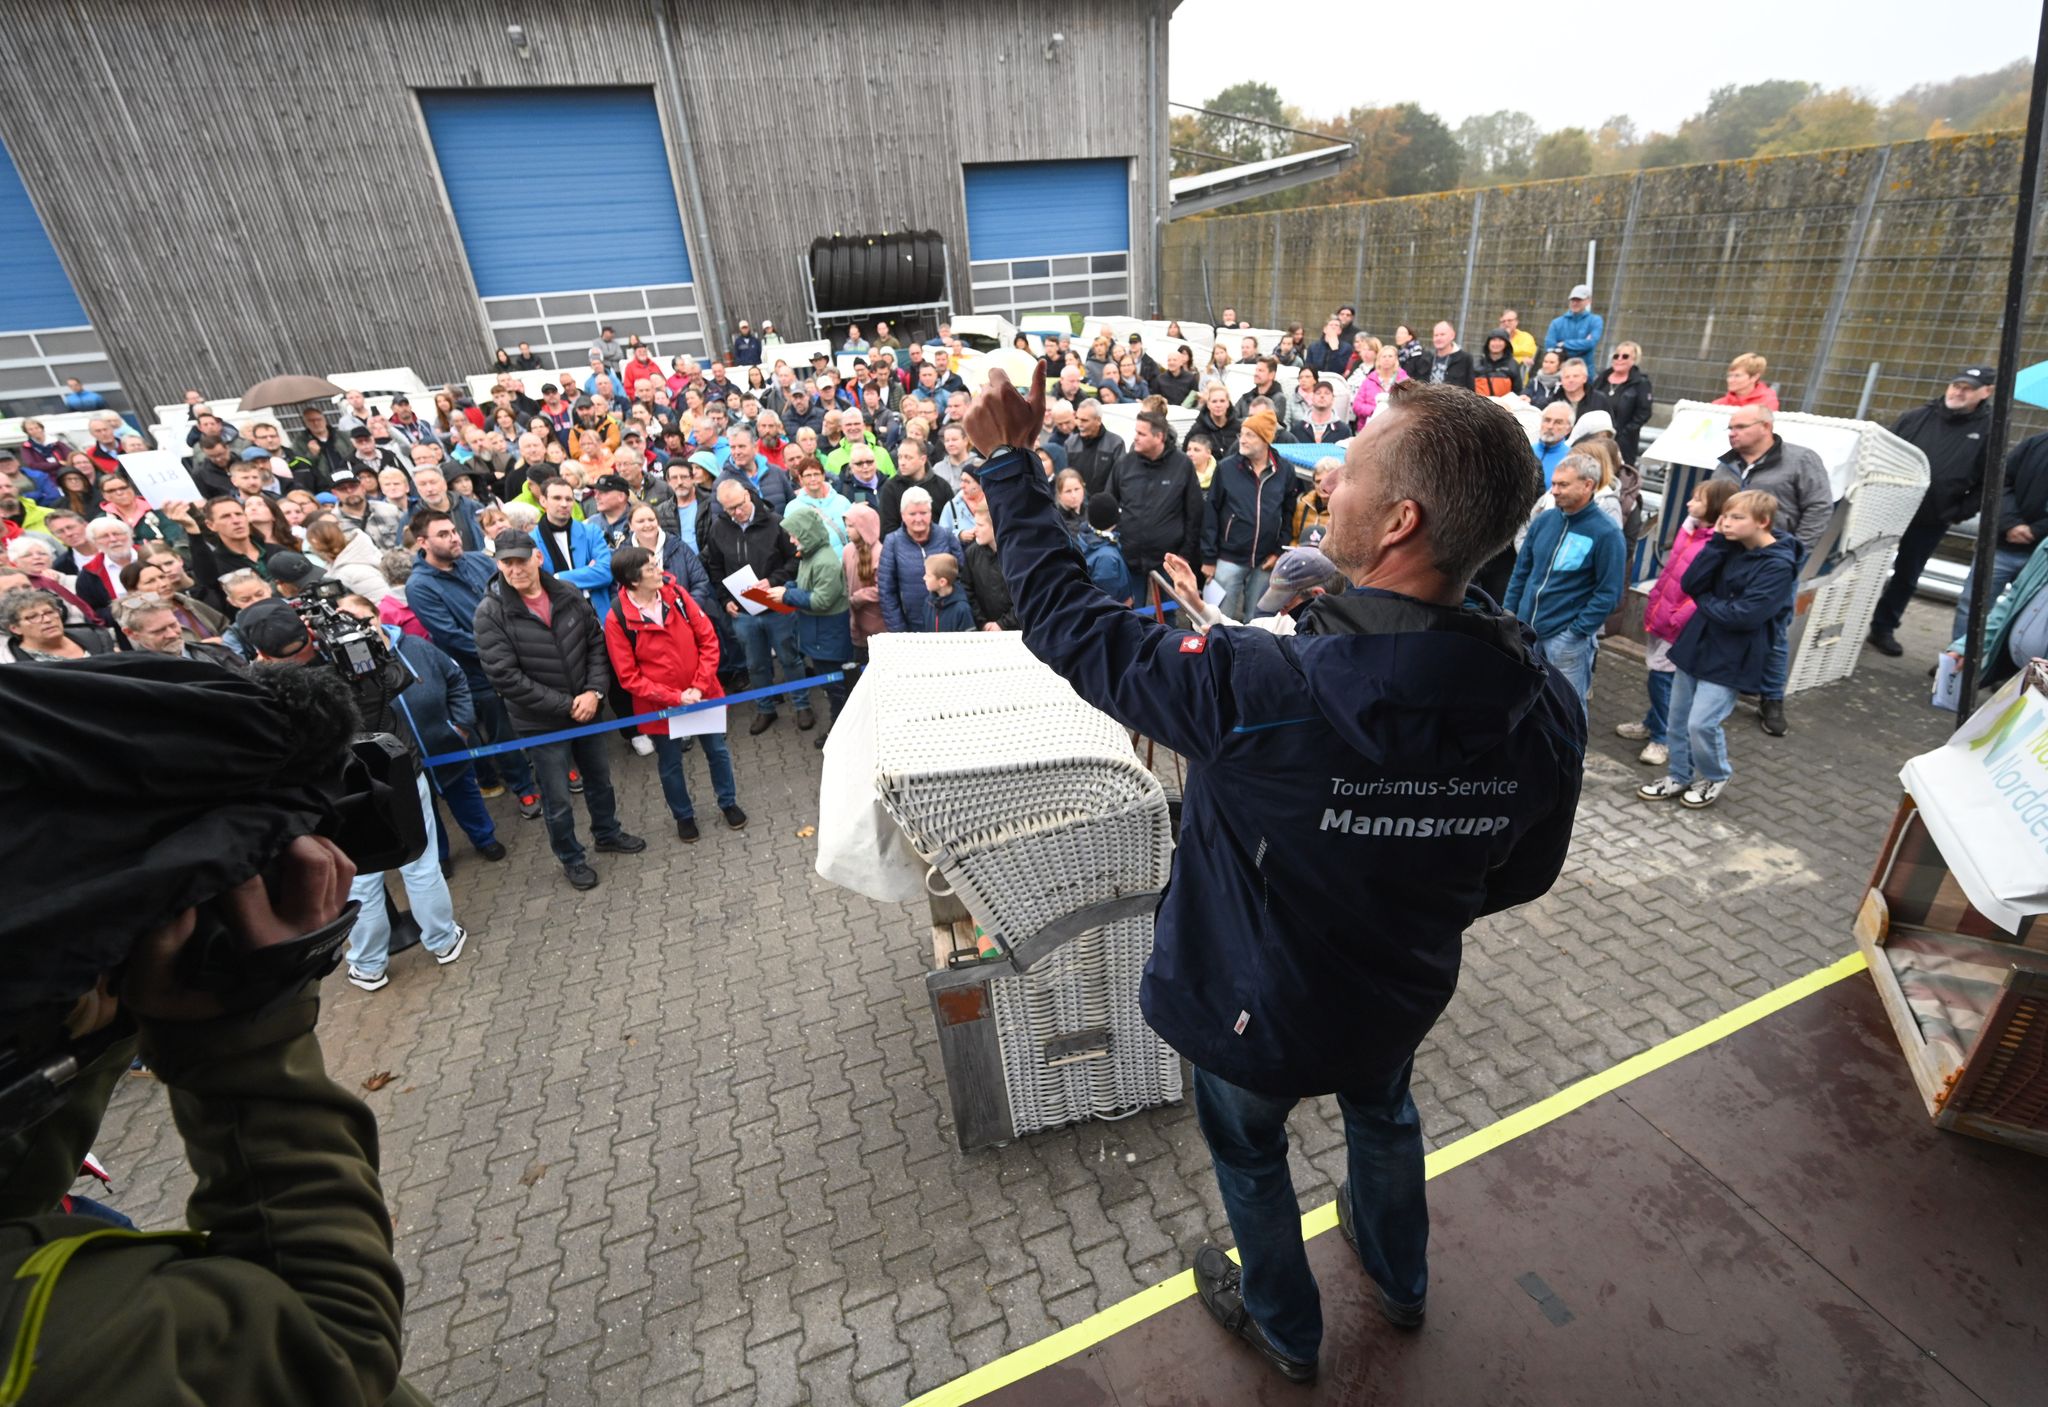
x: 1739, y: 580
x: 949, y: 605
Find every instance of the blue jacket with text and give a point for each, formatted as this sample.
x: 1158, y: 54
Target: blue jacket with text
x: 1357, y: 795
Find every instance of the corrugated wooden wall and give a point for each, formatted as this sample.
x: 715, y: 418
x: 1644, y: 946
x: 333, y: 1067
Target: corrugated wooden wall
x: 239, y: 189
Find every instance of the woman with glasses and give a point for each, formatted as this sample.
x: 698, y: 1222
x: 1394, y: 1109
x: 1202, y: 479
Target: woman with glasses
x: 144, y: 522
x: 35, y: 623
x: 1629, y: 397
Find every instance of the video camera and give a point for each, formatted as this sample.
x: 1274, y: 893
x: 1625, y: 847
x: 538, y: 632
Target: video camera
x: 354, y: 647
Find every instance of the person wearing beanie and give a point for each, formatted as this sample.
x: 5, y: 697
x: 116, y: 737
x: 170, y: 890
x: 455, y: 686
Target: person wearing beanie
x: 1103, y: 549
x: 1245, y: 520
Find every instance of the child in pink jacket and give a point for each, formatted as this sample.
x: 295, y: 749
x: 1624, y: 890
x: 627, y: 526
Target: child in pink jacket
x: 1667, y: 611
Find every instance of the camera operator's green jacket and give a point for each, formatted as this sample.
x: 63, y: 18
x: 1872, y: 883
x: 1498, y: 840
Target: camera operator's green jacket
x: 284, y: 1291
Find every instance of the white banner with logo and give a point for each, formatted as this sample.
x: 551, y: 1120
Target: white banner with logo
x: 1984, y: 796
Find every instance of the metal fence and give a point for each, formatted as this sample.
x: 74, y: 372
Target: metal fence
x: 1829, y: 264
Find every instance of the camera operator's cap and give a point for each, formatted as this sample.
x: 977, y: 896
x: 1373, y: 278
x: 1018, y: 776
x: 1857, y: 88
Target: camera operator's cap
x: 295, y: 568
x: 253, y: 453
x: 273, y: 628
x: 1299, y: 569
x: 1580, y: 290
x: 1976, y: 376
x: 611, y: 483
x: 512, y: 545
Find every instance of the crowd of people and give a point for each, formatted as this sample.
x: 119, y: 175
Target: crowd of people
x: 652, y: 534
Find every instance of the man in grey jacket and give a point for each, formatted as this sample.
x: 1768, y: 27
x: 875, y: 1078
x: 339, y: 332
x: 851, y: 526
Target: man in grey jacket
x: 1793, y: 474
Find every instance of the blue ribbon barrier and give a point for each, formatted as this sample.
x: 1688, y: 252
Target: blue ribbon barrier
x: 612, y: 725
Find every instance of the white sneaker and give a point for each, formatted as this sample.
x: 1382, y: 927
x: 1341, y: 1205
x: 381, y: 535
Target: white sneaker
x: 1702, y: 794
x: 366, y: 981
x: 1654, y: 755
x: 1663, y: 789
x: 454, y: 949
x: 1634, y: 732
x: 643, y: 745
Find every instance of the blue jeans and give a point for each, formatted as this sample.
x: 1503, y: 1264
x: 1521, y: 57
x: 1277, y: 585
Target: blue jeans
x: 1778, y: 663
x: 1657, y: 720
x: 551, y: 763
x: 1243, y: 585
x: 369, y: 942
x: 465, y: 803
x: 1697, y: 742
x: 668, y: 765
x: 1574, y: 655
x: 759, y: 636
x: 1247, y: 1137
x: 494, y: 725
x: 2006, y: 565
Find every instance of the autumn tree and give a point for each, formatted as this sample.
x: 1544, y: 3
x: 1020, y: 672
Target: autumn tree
x: 1823, y: 121
x: 1565, y: 152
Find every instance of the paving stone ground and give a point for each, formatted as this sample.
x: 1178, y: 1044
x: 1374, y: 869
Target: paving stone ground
x: 685, y: 1139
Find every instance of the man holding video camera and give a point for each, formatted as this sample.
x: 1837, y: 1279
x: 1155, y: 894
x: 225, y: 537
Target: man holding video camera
x: 1357, y: 795
x: 197, y: 925
x: 279, y: 636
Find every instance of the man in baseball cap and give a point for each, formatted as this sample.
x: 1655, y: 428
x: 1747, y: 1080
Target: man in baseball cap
x: 1952, y: 430
x: 273, y: 629
x: 1577, y: 333
x: 1301, y: 573
x: 294, y: 573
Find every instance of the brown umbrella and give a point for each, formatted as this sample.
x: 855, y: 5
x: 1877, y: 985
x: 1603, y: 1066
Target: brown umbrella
x: 288, y: 390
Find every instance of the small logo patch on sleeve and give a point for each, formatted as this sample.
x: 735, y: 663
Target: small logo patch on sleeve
x: 1193, y: 644
x: 1244, y: 1019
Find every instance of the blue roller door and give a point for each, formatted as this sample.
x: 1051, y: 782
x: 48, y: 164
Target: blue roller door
x: 525, y: 233
x: 1021, y: 209
x: 36, y: 293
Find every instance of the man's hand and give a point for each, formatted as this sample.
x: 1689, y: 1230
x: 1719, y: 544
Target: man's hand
x: 992, y: 626
x: 1182, y: 575
x: 2019, y: 535
x: 584, y: 708
x: 691, y: 696
x: 312, y: 880
x: 1208, y: 571
x: 1000, y: 419
x: 731, y: 609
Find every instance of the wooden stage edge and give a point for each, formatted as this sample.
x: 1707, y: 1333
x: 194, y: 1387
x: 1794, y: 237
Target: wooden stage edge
x: 1755, y: 1211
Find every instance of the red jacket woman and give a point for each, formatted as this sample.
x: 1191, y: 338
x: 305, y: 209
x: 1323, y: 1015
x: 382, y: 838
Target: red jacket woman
x: 662, y: 648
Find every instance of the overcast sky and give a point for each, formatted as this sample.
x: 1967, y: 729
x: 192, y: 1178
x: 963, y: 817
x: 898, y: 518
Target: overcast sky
x: 1578, y: 67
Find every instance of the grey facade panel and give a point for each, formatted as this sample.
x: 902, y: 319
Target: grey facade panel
x: 251, y: 189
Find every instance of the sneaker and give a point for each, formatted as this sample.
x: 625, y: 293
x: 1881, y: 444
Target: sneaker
x: 1634, y: 732
x: 1220, y: 1283
x: 1401, y: 1316
x: 761, y: 724
x: 492, y: 850
x: 805, y: 718
x: 1663, y: 789
x: 686, y: 830
x: 1771, y: 717
x: 624, y: 843
x: 368, y: 981
x: 1702, y: 794
x: 643, y: 745
x: 1885, y: 643
x: 529, y: 805
x: 581, y: 876
x: 1654, y: 755
x: 575, y: 781
x: 455, y: 950
x: 491, y: 792
x: 735, y: 817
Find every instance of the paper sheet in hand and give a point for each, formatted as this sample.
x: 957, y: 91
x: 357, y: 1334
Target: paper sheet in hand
x: 160, y: 477
x: 697, y: 722
x: 1213, y: 593
x: 738, y: 583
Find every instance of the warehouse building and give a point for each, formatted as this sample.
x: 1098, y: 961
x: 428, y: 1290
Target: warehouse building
x: 228, y: 191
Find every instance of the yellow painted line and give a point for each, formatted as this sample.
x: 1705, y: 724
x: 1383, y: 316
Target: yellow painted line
x: 1076, y: 1338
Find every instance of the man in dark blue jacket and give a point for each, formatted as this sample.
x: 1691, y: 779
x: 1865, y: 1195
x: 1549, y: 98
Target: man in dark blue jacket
x: 1357, y: 796
x: 446, y: 586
